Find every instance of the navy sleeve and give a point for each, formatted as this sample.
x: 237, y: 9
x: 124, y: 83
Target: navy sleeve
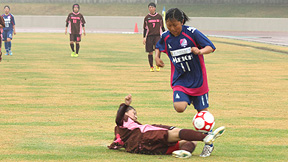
x: 202, y: 40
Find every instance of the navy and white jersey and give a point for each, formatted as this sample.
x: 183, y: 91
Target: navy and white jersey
x: 9, y: 21
x: 188, y: 72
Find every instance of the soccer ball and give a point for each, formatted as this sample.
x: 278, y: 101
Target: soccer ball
x: 203, y: 121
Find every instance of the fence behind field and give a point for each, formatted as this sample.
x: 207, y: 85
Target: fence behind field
x: 147, y: 1
x: 127, y: 23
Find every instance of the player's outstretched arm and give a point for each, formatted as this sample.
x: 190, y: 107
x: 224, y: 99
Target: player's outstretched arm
x: 122, y: 109
x: 159, y: 62
x: 128, y: 99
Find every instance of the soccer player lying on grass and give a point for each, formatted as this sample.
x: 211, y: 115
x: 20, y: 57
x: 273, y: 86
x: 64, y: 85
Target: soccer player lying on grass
x: 155, y: 139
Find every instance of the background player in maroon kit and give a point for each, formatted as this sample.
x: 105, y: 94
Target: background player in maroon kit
x: 77, y: 23
x: 2, y: 25
x: 153, y: 23
x: 155, y: 139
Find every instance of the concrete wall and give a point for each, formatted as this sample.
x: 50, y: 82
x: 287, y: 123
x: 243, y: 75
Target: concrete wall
x: 147, y: 1
x: 120, y: 23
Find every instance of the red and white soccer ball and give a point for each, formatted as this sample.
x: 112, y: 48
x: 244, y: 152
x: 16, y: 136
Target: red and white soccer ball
x: 203, y: 121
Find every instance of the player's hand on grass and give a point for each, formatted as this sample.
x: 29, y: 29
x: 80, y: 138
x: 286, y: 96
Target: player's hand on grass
x: 159, y: 62
x: 128, y: 99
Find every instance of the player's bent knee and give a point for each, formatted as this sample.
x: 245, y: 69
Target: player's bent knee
x: 180, y: 106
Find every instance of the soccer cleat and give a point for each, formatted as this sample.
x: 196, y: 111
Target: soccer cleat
x: 181, y: 154
x: 76, y: 55
x: 207, y: 150
x: 157, y: 68
x: 10, y: 53
x: 210, y: 138
x: 73, y: 54
x: 6, y: 53
x: 151, y: 69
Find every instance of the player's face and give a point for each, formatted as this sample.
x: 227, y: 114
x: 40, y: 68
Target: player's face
x: 174, y: 26
x: 152, y: 9
x: 76, y: 9
x: 132, y: 114
x: 6, y: 10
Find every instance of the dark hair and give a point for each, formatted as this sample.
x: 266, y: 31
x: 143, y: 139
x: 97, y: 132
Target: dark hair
x: 130, y: 108
x: 76, y: 4
x: 175, y: 13
x: 152, y: 4
x: 6, y: 6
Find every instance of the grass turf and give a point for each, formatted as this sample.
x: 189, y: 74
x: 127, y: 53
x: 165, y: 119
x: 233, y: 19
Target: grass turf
x: 58, y: 108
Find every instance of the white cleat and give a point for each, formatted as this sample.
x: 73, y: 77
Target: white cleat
x: 181, y: 154
x: 210, y: 138
x: 207, y: 150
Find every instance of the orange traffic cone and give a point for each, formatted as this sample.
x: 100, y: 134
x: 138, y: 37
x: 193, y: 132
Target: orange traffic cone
x: 136, y: 28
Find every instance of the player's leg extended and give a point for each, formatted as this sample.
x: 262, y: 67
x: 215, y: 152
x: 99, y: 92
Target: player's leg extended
x: 201, y: 104
x: 9, y: 43
x: 178, y: 134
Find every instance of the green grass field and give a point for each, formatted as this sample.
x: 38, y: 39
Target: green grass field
x: 139, y: 9
x: 57, y: 108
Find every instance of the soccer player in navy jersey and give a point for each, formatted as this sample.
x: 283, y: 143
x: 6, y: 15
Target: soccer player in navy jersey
x: 2, y: 25
x: 76, y: 22
x: 155, y: 139
x: 185, y: 47
x: 9, y: 29
x: 153, y: 23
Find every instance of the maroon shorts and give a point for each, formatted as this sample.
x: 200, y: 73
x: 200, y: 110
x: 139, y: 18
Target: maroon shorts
x: 151, y: 42
x: 173, y: 148
x: 75, y: 37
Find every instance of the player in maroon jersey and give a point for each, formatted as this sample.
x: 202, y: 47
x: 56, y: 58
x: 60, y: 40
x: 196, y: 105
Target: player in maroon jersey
x: 2, y: 25
x: 77, y: 23
x: 155, y: 139
x: 153, y: 23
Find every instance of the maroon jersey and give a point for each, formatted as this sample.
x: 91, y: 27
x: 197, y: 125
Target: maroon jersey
x: 153, y: 24
x: 75, y: 20
x: 138, y: 138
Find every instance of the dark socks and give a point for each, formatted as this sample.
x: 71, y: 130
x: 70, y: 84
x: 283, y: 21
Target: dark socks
x: 77, y: 48
x: 72, y: 47
x: 150, y: 59
x: 188, y: 146
x: 191, y: 135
